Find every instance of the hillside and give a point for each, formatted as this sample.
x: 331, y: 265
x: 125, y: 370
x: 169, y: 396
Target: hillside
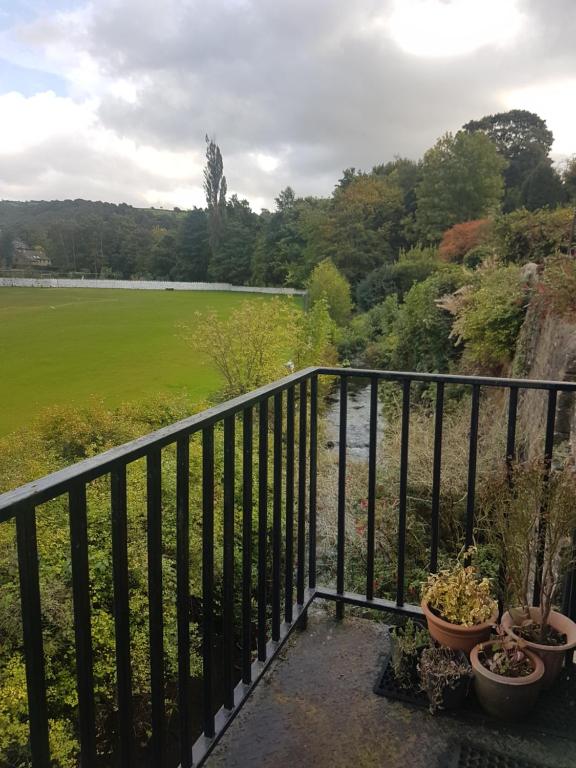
x: 86, y: 236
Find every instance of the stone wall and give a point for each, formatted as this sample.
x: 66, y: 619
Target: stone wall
x: 547, y: 351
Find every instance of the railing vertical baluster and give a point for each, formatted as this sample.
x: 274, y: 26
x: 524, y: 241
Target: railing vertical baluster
x: 183, y: 596
x: 277, y: 517
x: 436, y: 477
x: 372, y: 449
x: 289, y: 565
x: 247, y: 546
x: 472, y: 458
x: 82, y: 623
x: 403, y: 491
x: 300, y: 574
x: 208, y: 578
x: 228, y: 570
x: 32, y: 632
x: 541, y: 534
x: 571, y: 606
x: 122, y: 614
x: 510, y: 457
x: 262, y: 524
x: 313, y: 481
x: 341, y: 494
x: 156, y: 616
x: 511, y: 431
x: 569, y: 590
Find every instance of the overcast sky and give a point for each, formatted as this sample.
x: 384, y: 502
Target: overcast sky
x: 110, y: 100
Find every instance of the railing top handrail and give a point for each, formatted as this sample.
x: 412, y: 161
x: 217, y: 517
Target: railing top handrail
x: 447, y: 378
x: 56, y: 483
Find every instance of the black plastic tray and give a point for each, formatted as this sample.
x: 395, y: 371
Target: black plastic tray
x: 555, y: 714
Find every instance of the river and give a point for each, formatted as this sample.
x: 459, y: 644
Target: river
x: 358, y: 422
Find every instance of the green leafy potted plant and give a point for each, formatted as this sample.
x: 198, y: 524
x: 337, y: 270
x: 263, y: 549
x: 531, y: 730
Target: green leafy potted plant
x: 408, y: 643
x: 459, y: 606
x: 507, y: 677
x: 532, y: 514
x: 445, y: 677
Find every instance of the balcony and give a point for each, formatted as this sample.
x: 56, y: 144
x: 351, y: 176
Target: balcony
x: 267, y: 561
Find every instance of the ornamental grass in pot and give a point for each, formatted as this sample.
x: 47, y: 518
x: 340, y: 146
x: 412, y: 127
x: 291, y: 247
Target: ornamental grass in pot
x: 507, y: 677
x: 458, y: 605
x: 532, y: 515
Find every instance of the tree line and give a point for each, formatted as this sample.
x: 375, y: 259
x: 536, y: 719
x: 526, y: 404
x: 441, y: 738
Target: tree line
x: 498, y: 163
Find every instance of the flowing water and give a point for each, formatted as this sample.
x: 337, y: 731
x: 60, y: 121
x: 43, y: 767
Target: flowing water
x: 358, y: 422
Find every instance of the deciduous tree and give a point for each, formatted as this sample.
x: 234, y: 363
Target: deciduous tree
x: 524, y: 140
x: 461, y: 238
x: 461, y: 181
x: 215, y: 189
x: 362, y: 222
x: 327, y: 282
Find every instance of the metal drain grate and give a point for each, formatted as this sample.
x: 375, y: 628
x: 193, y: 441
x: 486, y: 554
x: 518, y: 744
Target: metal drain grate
x: 471, y: 756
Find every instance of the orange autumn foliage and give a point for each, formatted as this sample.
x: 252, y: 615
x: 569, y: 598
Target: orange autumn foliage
x: 459, y: 239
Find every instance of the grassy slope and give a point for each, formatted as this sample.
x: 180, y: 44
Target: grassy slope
x: 65, y: 345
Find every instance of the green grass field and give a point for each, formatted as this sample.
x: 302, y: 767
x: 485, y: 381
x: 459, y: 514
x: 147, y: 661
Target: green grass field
x: 66, y: 345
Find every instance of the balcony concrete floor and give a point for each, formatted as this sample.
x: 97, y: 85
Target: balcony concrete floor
x: 315, y: 707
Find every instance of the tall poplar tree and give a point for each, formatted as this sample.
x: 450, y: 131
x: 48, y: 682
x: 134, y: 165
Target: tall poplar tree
x: 215, y: 189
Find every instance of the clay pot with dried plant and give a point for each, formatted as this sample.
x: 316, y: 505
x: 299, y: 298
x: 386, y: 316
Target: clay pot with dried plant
x: 507, y: 677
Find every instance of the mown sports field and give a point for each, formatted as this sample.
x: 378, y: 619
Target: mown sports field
x: 67, y: 345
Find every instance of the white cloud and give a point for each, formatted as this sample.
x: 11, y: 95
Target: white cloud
x: 556, y: 99
x: 73, y: 129
x: 293, y: 91
x: 437, y: 28
x: 179, y: 197
x: 41, y: 117
x: 267, y: 163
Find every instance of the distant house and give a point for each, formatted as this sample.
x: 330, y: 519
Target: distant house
x: 25, y: 256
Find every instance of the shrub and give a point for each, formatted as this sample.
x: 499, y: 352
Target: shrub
x: 412, y: 267
x: 418, y: 337
x: 489, y: 313
x: 42, y: 449
x: 326, y: 281
x: 558, y: 287
x: 252, y: 346
x: 523, y: 235
x: 461, y: 238
x: 475, y: 256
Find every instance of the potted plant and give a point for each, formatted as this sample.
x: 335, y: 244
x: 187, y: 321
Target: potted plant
x: 407, y: 643
x: 532, y: 513
x: 459, y: 606
x: 445, y: 677
x: 507, y: 677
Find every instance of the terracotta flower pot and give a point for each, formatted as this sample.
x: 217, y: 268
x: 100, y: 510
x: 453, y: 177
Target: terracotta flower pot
x: 457, y: 636
x: 507, y: 698
x: 551, y: 655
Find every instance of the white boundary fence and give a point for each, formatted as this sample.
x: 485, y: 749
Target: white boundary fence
x: 142, y: 285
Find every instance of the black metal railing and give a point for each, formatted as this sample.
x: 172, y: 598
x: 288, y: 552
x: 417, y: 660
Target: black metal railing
x: 281, y: 603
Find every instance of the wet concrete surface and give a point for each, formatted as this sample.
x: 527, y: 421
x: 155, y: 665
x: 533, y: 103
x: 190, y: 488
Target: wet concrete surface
x: 315, y: 707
